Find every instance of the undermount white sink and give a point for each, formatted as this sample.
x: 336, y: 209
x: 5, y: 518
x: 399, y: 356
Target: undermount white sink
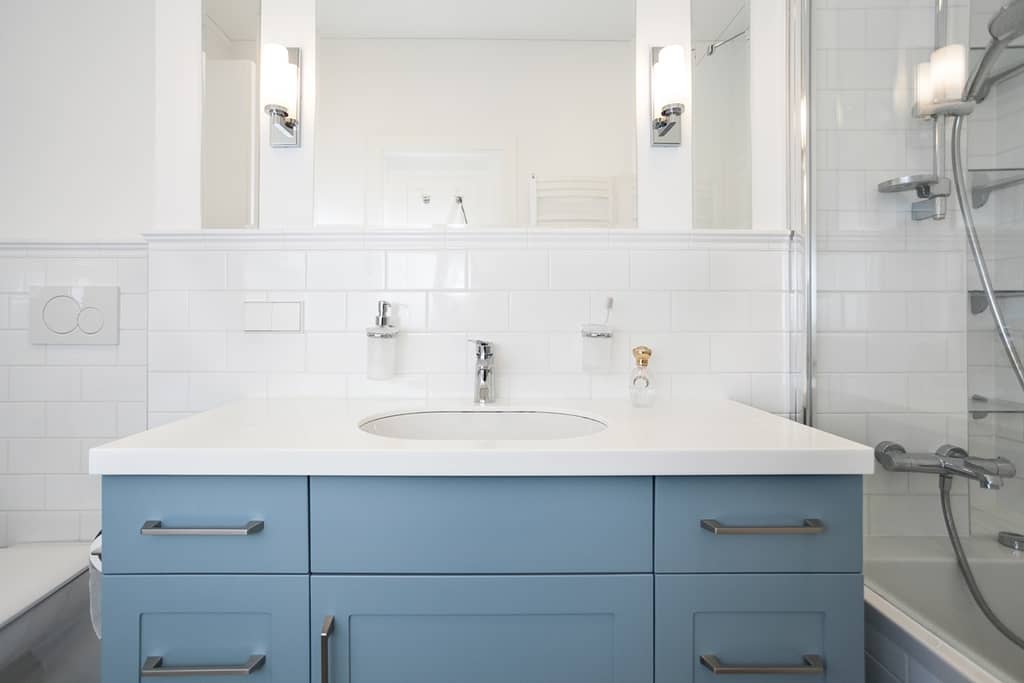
x: 482, y: 425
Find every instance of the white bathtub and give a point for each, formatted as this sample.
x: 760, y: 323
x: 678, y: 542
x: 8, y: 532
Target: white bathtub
x: 921, y: 617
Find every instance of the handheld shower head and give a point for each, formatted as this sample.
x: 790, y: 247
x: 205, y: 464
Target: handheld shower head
x: 1008, y: 24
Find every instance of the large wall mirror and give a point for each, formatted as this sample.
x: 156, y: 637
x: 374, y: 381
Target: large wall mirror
x: 230, y: 147
x: 483, y: 113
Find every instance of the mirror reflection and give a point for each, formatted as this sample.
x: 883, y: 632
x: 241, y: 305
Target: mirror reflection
x: 484, y: 114
x: 230, y: 166
x: 721, y: 114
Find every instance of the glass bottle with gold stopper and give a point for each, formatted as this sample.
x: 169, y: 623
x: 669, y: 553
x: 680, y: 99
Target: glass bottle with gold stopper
x: 641, y: 393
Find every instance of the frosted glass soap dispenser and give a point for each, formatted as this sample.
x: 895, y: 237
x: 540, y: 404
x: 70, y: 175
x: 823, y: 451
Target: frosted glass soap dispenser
x: 641, y: 393
x: 381, y: 343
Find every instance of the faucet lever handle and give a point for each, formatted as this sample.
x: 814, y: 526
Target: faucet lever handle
x: 484, y: 349
x: 950, y: 451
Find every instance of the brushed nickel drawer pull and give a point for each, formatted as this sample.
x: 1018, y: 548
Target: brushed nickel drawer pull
x: 810, y: 526
x: 155, y: 527
x: 325, y: 656
x: 154, y: 666
x: 813, y: 664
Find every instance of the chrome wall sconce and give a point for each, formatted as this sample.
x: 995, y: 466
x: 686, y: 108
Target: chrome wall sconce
x: 282, y: 83
x: 669, y: 71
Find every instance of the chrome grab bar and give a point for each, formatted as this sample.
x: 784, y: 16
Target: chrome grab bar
x: 154, y: 666
x: 813, y: 664
x: 325, y: 656
x: 155, y: 527
x: 809, y: 527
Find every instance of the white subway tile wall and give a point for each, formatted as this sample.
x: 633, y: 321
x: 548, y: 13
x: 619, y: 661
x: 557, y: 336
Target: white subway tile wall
x: 715, y: 316
x: 892, y: 305
x: 58, y: 401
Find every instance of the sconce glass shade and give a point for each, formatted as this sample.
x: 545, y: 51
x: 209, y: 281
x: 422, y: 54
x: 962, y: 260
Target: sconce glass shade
x: 670, y: 77
x: 949, y: 72
x: 924, y: 90
x: 281, y: 78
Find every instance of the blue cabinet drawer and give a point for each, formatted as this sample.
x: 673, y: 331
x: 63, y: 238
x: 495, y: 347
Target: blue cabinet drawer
x: 477, y: 629
x: 205, y: 628
x: 201, y: 525
x: 488, y: 525
x: 758, y: 524
x: 767, y: 627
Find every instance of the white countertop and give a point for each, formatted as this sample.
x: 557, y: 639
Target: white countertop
x: 322, y: 437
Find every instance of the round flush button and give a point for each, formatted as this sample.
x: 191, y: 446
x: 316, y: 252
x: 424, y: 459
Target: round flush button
x: 90, y: 320
x: 60, y: 314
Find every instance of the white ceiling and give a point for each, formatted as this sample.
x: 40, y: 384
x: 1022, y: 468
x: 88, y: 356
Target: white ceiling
x: 238, y: 19
x: 524, y: 19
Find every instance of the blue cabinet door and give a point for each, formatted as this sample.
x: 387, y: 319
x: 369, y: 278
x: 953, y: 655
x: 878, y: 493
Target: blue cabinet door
x: 203, y: 628
x: 762, y: 624
x: 476, y: 629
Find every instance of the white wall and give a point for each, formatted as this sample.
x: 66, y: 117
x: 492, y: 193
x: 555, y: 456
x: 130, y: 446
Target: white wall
x: 77, y: 83
x: 550, y: 108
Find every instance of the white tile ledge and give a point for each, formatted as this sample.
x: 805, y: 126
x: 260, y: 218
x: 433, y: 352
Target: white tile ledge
x: 460, y: 238
x: 39, y: 248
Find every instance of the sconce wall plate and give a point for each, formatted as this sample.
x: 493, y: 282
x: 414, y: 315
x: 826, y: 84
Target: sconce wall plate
x: 666, y: 118
x: 284, y: 117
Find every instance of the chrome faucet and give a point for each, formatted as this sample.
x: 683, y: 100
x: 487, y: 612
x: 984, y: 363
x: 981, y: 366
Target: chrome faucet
x: 483, y: 382
x: 947, y: 460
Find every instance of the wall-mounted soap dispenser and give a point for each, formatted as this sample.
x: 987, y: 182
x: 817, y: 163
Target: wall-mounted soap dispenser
x: 641, y: 393
x: 381, y: 343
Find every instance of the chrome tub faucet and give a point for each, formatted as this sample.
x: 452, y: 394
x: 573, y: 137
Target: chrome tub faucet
x: 947, y: 460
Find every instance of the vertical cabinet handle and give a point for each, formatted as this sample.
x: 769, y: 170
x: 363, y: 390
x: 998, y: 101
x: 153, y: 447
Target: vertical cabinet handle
x: 813, y: 665
x: 155, y: 527
x: 325, y: 656
x: 809, y: 527
x: 154, y: 667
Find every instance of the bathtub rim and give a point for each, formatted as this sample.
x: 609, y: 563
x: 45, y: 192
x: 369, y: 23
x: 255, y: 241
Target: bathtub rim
x: 935, y: 643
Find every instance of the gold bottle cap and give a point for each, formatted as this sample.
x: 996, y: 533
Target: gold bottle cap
x: 642, y: 354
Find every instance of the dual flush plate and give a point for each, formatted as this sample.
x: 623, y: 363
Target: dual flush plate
x: 74, y: 315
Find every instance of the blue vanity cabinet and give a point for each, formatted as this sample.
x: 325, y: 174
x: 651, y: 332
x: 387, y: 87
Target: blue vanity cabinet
x: 474, y: 579
x: 205, y: 628
x: 759, y: 628
x: 471, y: 629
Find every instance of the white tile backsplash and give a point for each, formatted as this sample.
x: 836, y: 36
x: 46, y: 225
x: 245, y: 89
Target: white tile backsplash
x: 529, y: 300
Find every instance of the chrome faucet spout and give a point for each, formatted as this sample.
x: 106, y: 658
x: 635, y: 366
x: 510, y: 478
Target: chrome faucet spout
x: 483, y: 383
